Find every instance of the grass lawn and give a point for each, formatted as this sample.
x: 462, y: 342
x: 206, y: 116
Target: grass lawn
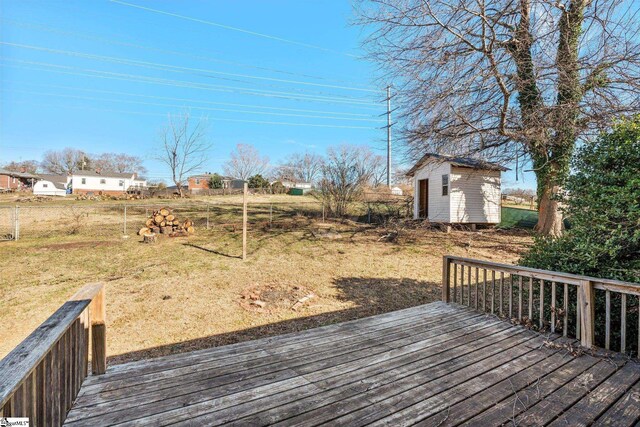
x: 188, y: 293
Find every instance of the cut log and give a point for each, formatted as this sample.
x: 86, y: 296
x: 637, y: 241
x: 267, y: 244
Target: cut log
x: 164, y: 212
x: 150, y: 238
x: 190, y: 230
x: 149, y: 222
x: 143, y: 231
x: 187, y: 223
x: 170, y: 217
x: 158, y: 219
x: 163, y: 224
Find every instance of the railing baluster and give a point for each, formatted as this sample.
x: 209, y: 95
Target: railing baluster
x: 462, y: 284
x: 493, y: 291
x: 541, y: 304
x: 455, y: 282
x: 531, y: 299
x: 484, y: 289
x: 607, y: 320
x: 578, y: 318
x: 477, y: 278
x: 511, y: 296
x: 500, y: 292
x: 469, y: 286
x: 623, y: 324
x: 565, y: 324
x: 553, y: 307
x: 519, y: 298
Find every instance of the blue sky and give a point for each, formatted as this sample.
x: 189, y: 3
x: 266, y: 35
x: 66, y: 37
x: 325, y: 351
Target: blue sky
x: 103, y: 75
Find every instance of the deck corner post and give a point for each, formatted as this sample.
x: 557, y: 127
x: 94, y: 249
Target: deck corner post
x: 587, y: 318
x: 98, y: 334
x: 446, y: 263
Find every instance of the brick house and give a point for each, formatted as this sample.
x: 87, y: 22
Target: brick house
x: 16, y: 181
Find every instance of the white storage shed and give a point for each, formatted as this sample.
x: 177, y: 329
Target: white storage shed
x: 456, y: 190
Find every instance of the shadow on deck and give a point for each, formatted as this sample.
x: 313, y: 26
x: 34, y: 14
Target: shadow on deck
x: 435, y: 364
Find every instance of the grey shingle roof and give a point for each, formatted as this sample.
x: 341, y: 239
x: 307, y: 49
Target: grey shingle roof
x: 104, y: 174
x: 465, y: 162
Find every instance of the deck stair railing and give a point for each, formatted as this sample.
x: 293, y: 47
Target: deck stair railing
x: 41, y: 377
x: 548, y: 300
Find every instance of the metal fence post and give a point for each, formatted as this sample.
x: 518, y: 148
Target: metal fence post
x: 16, y: 233
x: 124, y: 228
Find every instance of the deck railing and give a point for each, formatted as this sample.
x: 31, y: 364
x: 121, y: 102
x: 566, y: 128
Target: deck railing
x: 548, y: 300
x: 41, y: 377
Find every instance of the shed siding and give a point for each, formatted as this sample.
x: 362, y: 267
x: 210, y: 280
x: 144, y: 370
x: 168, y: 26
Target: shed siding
x: 475, y: 195
x: 438, y: 205
x: 39, y: 189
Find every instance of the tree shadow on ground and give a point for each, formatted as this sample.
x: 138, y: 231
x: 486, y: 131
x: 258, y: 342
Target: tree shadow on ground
x: 367, y: 296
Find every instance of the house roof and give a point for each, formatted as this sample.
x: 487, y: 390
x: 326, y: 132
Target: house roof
x: 105, y: 174
x: 17, y: 174
x: 464, y: 162
x: 53, y: 178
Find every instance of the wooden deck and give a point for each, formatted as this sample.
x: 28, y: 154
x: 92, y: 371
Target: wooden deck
x: 432, y: 365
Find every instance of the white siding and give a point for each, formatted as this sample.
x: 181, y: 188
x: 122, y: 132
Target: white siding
x: 475, y: 196
x: 94, y: 183
x: 438, y: 205
x: 47, y: 188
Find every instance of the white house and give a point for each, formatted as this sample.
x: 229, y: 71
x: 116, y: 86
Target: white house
x: 83, y: 182
x: 51, y: 185
x: 451, y: 189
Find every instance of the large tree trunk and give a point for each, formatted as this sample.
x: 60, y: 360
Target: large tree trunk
x: 550, y: 218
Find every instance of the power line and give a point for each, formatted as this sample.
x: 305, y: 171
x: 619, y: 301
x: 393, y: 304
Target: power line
x: 194, y: 107
x: 230, y: 104
x: 228, y: 27
x: 175, y: 67
x: 87, y: 36
x: 209, y: 118
x: 188, y: 84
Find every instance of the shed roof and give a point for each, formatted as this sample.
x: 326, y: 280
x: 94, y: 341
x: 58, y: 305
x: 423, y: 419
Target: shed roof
x: 464, y: 162
x: 53, y: 178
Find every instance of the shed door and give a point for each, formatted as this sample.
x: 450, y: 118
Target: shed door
x: 423, y: 198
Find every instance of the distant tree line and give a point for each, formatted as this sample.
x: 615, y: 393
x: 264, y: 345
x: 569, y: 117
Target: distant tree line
x: 71, y: 160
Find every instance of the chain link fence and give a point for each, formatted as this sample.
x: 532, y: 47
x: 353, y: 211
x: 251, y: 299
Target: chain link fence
x: 114, y: 220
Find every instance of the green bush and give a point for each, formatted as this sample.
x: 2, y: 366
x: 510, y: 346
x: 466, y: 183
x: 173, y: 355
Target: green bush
x: 603, y: 203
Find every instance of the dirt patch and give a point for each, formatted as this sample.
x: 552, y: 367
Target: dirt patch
x: 272, y: 298
x: 76, y: 245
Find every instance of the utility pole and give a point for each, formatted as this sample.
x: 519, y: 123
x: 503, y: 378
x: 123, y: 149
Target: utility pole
x: 389, y: 136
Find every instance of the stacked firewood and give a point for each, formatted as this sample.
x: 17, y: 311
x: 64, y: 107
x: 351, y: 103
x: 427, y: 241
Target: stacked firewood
x: 165, y: 222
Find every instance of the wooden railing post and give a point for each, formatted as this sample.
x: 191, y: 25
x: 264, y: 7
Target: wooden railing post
x: 98, y: 314
x: 446, y: 268
x: 588, y: 314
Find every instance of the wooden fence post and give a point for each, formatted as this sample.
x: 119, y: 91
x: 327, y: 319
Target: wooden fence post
x: 446, y: 263
x: 587, y: 308
x: 244, y: 222
x: 98, y: 313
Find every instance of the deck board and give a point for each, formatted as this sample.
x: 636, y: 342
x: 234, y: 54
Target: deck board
x: 436, y: 364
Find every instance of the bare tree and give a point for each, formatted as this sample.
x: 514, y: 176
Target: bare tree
x: 185, y: 147
x: 343, y: 177
x: 30, y: 166
x: 66, y: 161
x: 301, y: 167
x: 509, y: 79
x: 119, y: 162
x: 246, y: 162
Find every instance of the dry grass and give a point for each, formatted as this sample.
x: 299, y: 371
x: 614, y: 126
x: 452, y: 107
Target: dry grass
x: 184, y: 294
